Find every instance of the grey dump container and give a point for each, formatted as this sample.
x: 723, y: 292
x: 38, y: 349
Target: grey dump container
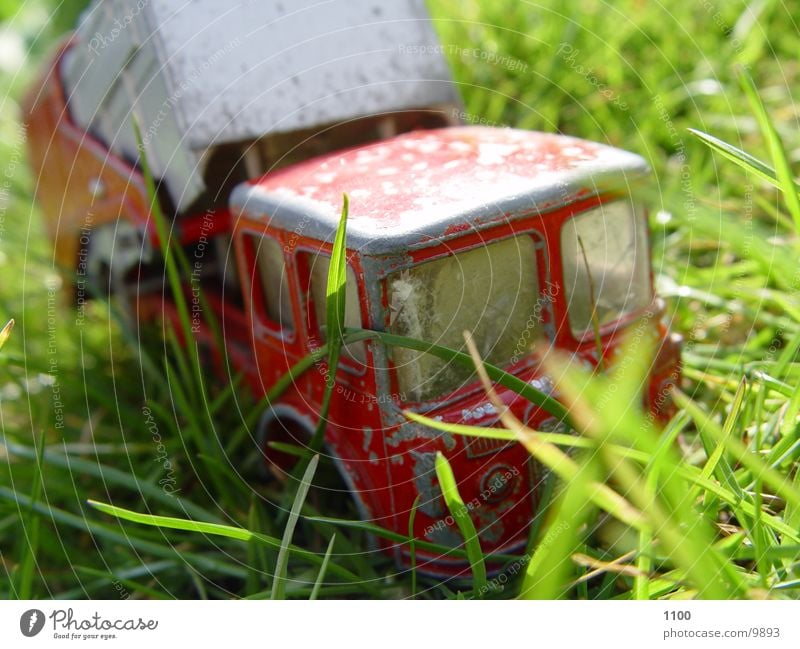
x: 226, y: 90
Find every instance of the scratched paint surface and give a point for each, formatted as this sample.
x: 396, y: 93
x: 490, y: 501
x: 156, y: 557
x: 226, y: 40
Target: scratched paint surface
x: 424, y: 176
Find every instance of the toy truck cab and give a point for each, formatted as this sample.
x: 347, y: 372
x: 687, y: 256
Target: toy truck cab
x: 456, y: 229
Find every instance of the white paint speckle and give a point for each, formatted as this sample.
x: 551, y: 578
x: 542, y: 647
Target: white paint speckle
x: 490, y: 153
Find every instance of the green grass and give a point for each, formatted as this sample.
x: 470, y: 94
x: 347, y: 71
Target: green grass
x: 708, y: 507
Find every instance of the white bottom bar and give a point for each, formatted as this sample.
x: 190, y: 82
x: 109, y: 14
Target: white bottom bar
x: 403, y: 624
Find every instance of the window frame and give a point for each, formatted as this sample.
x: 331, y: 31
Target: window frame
x: 608, y: 329
x: 256, y: 299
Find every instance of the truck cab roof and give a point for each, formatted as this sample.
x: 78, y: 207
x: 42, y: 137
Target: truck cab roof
x: 428, y: 186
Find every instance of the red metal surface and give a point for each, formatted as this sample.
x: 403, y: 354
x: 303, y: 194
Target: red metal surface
x: 201, y: 227
x: 402, y: 181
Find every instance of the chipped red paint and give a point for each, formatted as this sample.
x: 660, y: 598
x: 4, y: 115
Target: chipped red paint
x: 407, y: 180
x: 456, y: 228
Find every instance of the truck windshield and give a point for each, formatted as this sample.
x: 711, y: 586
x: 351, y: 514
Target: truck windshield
x: 615, y: 272
x: 491, y: 291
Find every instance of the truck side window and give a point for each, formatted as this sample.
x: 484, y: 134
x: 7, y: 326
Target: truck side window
x: 616, y: 271
x: 319, y: 266
x: 271, y: 298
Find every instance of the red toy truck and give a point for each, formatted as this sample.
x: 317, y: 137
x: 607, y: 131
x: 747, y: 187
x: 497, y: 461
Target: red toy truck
x: 451, y: 228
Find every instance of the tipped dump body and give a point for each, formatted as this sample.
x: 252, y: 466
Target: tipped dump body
x: 201, y: 74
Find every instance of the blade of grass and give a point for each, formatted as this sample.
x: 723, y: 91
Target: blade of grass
x: 742, y: 158
x: 412, y: 546
x: 214, y: 529
x: 169, y: 522
x: 779, y: 483
x: 352, y: 335
x: 608, y: 408
x: 178, y: 363
x: 644, y: 564
x: 257, y: 560
x: 565, y: 470
x: 125, y: 540
x: 547, y: 575
x: 321, y: 574
x: 5, y: 334
x: 170, y: 267
x: 548, y: 570
x: 402, y: 539
x: 546, y: 501
x: 335, y: 301
x: 789, y: 423
x: 522, y: 388
x: 150, y: 593
x: 457, y: 508
x: 598, y: 343
x: 278, y: 586
x: 717, y: 463
x: 31, y: 530
x: 557, y: 461
x: 783, y: 169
